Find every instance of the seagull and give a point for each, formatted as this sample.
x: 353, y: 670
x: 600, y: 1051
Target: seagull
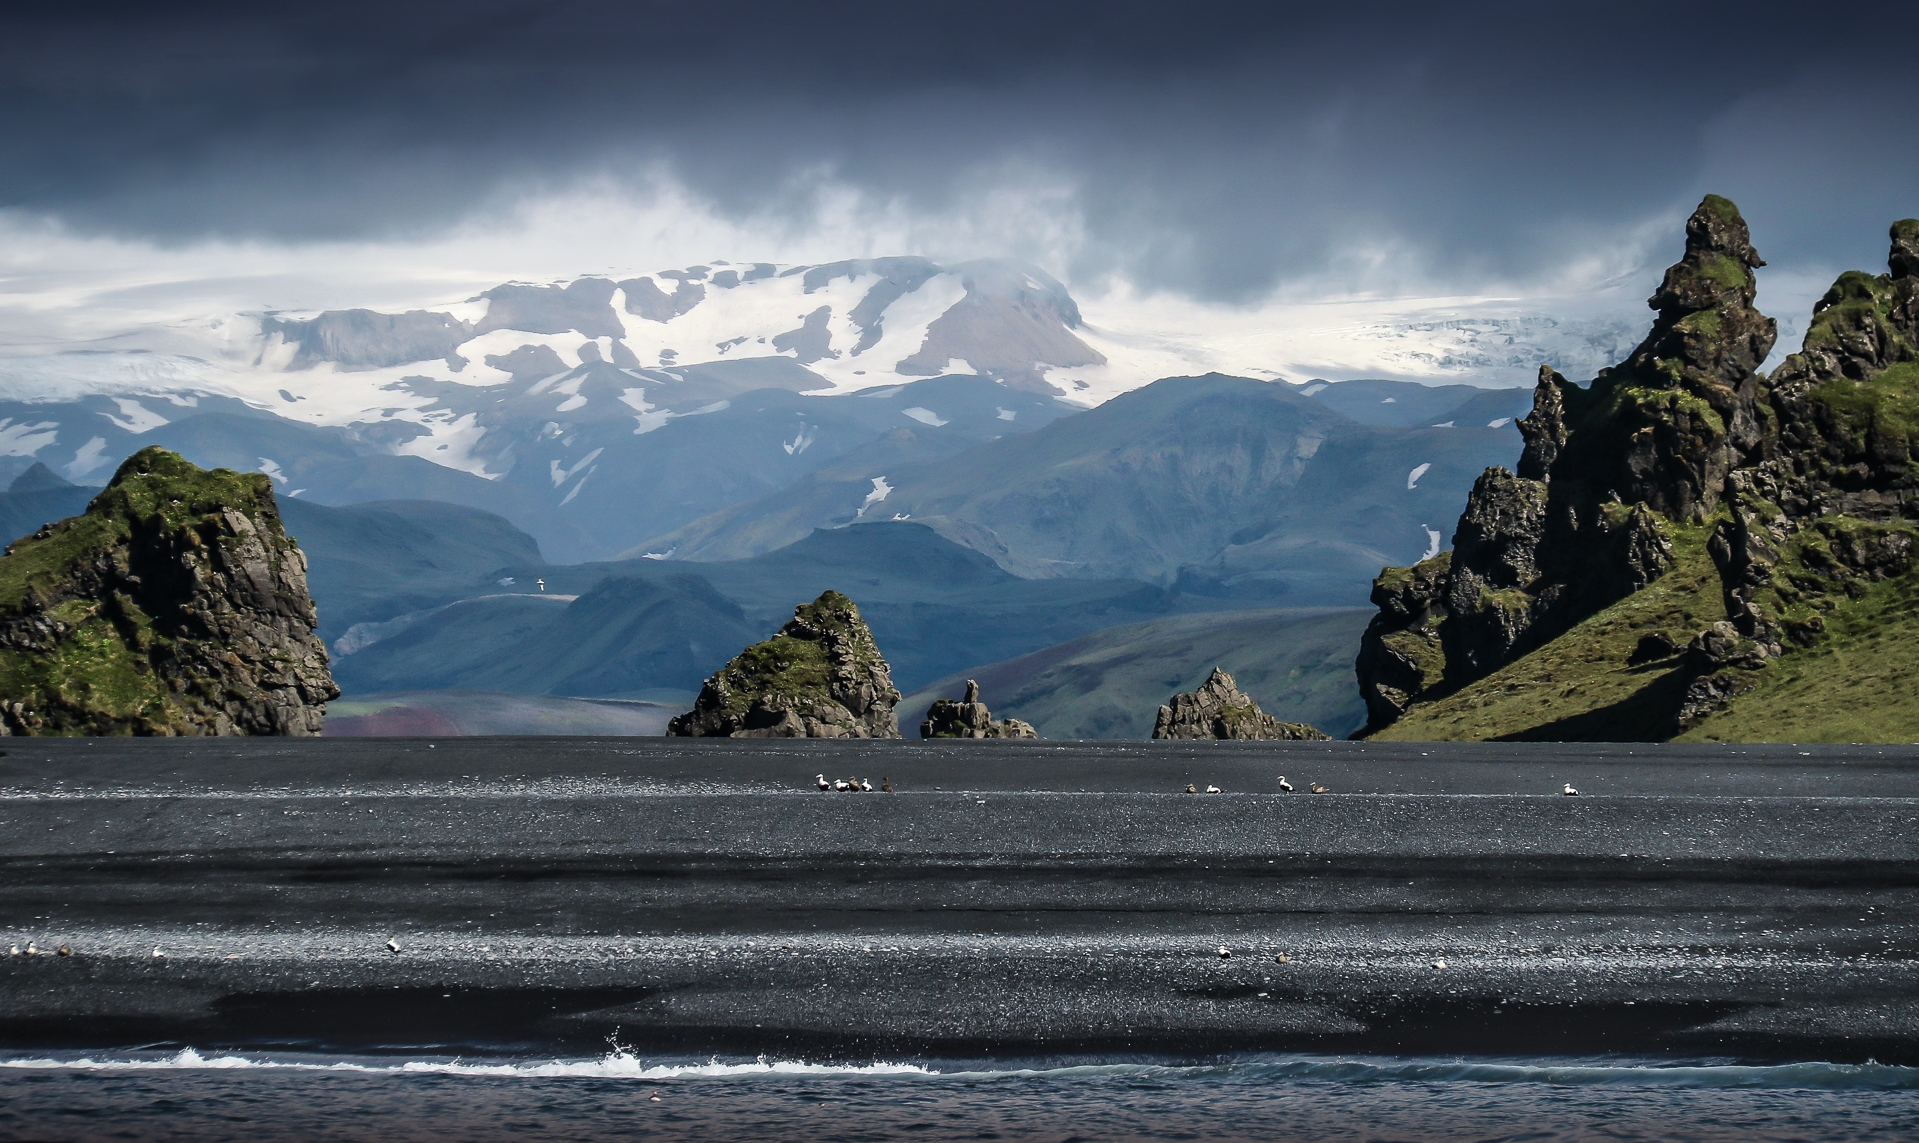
x: 1284, y: 784
x: 1569, y: 791
x: 821, y: 779
x: 392, y: 946
x: 1212, y: 789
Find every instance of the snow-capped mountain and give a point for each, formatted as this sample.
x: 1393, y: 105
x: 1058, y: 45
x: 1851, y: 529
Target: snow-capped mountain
x: 603, y: 411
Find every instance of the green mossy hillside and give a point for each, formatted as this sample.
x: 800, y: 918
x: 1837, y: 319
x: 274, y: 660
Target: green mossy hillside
x: 1856, y: 685
x: 1579, y: 685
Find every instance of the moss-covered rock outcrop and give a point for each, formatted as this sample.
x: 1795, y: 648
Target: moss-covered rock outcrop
x: 1800, y: 490
x: 175, y: 605
x: 820, y: 676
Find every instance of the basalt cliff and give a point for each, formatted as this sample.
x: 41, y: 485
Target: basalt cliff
x: 1689, y: 547
x: 175, y: 605
x: 820, y: 676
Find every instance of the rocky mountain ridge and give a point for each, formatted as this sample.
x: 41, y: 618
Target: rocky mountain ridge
x: 1799, y: 487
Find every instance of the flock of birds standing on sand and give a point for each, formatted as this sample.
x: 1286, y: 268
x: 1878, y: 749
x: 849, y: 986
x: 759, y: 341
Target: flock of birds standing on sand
x: 852, y: 785
x: 865, y: 785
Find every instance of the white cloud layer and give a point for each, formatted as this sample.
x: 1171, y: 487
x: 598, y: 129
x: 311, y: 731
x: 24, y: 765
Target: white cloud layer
x: 1375, y: 309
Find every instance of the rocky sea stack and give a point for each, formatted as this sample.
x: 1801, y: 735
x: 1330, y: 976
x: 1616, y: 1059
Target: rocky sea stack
x: 969, y: 718
x: 175, y: 605
x: 821, y: 676
x: 1758, y: 506
x: 1219, y: 709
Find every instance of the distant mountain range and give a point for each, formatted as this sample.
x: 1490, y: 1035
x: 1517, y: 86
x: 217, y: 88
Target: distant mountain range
x: 681, y: 456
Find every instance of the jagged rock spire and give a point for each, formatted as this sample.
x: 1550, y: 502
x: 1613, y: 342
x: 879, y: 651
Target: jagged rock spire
x: 1904, y: 259
x: 1708, y: 333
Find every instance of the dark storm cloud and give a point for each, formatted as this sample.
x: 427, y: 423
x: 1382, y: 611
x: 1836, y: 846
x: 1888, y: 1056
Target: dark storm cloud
x: 1216, y: 147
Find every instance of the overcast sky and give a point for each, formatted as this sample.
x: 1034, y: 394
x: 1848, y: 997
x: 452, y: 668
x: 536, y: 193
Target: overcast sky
x: 1222, y: 153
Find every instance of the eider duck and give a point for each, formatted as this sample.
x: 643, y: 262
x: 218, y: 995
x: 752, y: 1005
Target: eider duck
x: 1284, y: 784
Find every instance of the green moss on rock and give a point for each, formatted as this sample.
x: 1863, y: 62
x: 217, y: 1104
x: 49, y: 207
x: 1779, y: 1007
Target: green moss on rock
x: 820, y: 676
x: 176, y: 604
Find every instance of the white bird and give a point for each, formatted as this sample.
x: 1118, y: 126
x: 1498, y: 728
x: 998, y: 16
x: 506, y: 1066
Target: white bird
x: 1570, y: 792
x: 157, y: 954
x: 32, y: 950
x: 1284, y: 784
x: 842, y: 784
x: 866, y: 784
x: 1439, y: 964
x: 393, y: 946
x: 1225, y: 953
x: 1212, y: 789
x: 821, y: 779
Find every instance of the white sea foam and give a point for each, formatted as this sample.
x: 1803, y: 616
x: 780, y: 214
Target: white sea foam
x: 616, y: 1064
x: 621, y: 1063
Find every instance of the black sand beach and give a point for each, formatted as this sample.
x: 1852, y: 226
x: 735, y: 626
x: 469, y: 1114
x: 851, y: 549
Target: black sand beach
x: 1012, y: 898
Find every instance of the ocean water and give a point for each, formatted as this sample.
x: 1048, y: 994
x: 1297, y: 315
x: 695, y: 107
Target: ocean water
x: 251, y: 1096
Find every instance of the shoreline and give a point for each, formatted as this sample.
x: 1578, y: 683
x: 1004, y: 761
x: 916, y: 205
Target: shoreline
x: 543, y: 895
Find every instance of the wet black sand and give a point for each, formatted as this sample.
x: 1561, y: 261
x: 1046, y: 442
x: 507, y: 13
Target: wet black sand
x: 1010, y: 899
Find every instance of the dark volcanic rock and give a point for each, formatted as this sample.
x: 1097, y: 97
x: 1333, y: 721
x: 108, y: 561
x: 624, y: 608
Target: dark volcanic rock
x: 176, y: 605
x: 1652, y: 648
x: 821, y: 676
x: 1400, y: 657
x: 1813, y: 475
x: 969, y: 718
x: 1605, y: 467
x: 1218, y: 709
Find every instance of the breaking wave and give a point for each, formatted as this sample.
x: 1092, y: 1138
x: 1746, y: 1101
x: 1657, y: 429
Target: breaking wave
x: 620, y: 1063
